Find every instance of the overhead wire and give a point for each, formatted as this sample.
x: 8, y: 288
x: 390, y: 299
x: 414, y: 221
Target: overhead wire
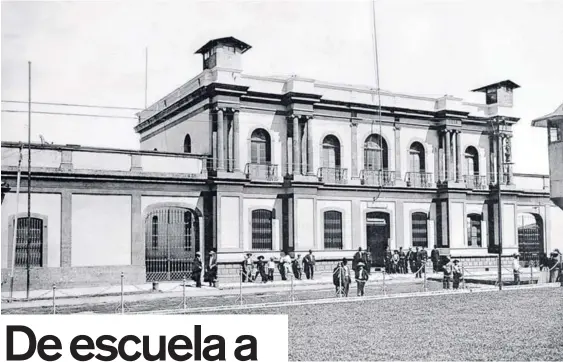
x: 74, y: 105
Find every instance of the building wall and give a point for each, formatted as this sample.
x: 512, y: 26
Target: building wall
x: 45, y: 205
x: 101, y: 230
x: 555, y: 232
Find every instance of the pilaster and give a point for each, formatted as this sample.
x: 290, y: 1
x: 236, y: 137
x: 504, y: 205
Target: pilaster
x: 220, y: 139
x: 137, y: 242
x: 66, y: 228
x: 236, y: 146
x: 354, y: 140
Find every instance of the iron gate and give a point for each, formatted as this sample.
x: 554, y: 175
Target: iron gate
x: 530, y: 236
x: 171, y: 239
x: 35, y: 242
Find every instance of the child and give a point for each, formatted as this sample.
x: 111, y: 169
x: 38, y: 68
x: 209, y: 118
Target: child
x: 271, y: 268
x: 261, y: 266
x: 361, y: 278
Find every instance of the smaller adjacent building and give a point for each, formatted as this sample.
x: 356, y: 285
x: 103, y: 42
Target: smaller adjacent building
x: 554, y: 124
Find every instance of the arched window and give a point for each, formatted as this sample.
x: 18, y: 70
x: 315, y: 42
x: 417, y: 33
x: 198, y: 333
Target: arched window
x: 154, y: 231
x: 419, y: 229
x: 375, y: 153
x: 474, y: 230
x: 187, y: 144
x: 35, y: 242
x: 472, y: 161
x: 262, y: 229
x: 331, y: 152
x: 333, y: 230
x: 417, y: 159
x: 260, y: 147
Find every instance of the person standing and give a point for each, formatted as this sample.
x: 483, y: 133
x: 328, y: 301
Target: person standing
x: 362, y: 277
x: 212, y: 269
x: 412, y: 260
x: 435, y: 257
x: 447, y: 268
x: 249, y: 267
x: 309, y: 265
x: 357, y: 258
x: 285, y: 265
x: 368, y: 261
x: 197, y: 267
x: 457, y: 273
x: 402, y: 261
x: 261, y: 269
x: 271, y: 269
x: 347, y: 276
x: 296, y: 266
x: 395, y: 259
x: 388, y: 256
x: 516, y: 269
x: 418, y: 263
x: 408, y: 260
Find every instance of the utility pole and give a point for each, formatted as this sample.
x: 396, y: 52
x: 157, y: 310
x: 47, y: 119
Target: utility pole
x: 28, y: 178
x: 14, y: 238
x: 499, y: 195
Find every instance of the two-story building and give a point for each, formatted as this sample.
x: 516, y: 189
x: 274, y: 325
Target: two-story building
x: 235, y: 162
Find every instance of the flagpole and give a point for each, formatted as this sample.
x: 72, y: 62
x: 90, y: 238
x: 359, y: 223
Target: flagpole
x: 28, y: 179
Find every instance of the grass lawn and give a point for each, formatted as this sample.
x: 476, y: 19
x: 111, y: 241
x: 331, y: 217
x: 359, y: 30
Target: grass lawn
x: 509, y: 325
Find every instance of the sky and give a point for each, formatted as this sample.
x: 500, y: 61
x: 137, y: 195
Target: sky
x: 94, y: 53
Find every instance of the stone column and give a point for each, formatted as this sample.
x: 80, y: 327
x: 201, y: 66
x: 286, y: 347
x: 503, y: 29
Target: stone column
x: 220, y: 140
x: 458, y: 155
x: 492, y: 157
x: 310, y: 146
x: 502, y: 161
x: 304, y: 155
x: 236, y: 150
x: 296, y: 158
x: 447, y: 154
x: 230, y: 152
x: 354, y: 133
x: 398, y: 173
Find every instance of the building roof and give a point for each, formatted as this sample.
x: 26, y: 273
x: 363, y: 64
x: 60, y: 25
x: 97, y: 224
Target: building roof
x: 556, y: 115
x: 505, y: 83
x: 226, y: 41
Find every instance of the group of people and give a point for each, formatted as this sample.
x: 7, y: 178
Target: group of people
x: 552, y: 266
x: 210, y: 275
x: 342, y: 275
x: 399, y: 261
x: 452, y: 270
x: 286, y: 266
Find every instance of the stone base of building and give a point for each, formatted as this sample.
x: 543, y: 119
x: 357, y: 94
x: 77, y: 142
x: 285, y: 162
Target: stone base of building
x: 74, y: 277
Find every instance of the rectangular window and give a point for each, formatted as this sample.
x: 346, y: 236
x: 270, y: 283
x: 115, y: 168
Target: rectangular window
x: 262, y: 230
x: 419, y: 229
x: 333, y: 230
x: 35, y: 242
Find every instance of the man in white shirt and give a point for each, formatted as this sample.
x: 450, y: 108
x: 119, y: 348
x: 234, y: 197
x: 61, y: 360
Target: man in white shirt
x: 516, y: 269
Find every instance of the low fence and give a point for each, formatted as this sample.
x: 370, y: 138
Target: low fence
x: 379, y: 284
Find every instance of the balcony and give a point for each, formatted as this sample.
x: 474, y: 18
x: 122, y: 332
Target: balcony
x: 475, y: 182
x: 261, y: 171
x: 377, y: 178
x: 419, y: 179
x: 333, y: 175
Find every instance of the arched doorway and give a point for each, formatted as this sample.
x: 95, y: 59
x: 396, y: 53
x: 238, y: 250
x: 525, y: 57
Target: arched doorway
x: 530, y: 236
x: 378, y: 232
x: 171, y: 241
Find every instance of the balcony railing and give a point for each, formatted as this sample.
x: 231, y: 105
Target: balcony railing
x: 377, y: 178
x: 333, y: 175
x: 475, y: 182
x: 418, y: 179
x: 492, y: 179
x: 261, y: 171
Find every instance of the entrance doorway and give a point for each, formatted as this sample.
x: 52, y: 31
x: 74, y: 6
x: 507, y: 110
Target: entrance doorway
x: 378, y: 232
x: 171, y: 241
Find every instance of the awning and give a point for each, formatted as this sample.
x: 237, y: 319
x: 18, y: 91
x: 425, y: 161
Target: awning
x: 556, y: 116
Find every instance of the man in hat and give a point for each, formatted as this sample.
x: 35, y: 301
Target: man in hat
x: 197, y: 267
x: 457, y: 272
x: 357, y: 258
x: 212, y: 269
x: 296, y: 266
x: 447, y: 274
x: 285, y: 264
x: 435, y: 256
x: 361, y: 278
x: 309, y: 265
x: 247, y: 268
x: 516, y: 269
x: 261, y: 269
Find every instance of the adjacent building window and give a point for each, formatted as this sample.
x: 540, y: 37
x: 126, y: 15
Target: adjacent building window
x: 188, y: 231
x: 417, y: 161
x: 472, y: 161
x: 187, y: 144
x: 555, y: 132
x: 375, y: 153
x: 35, y: 242
x: 333, y: 230
x: 260, y: 147
x: 419, y: 229
x: 262, y: 229
x: 331, y: 152
x: 474, y: 229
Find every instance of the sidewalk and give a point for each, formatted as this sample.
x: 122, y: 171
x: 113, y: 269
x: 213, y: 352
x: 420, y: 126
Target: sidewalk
x: 134, y: 293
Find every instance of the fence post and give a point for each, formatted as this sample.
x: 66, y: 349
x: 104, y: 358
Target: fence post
x: 340, y: 282
x: 291, y: 295
x: 463, y: 276
x: 184, y: 293
x: 240, y: 287
x: 424, y: 266
x: 531, y: 273
x: 384, y: 290
x: 54, y: 305
x: 122, y: 306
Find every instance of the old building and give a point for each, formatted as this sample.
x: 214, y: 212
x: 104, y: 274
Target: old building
x: 235, y: 162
